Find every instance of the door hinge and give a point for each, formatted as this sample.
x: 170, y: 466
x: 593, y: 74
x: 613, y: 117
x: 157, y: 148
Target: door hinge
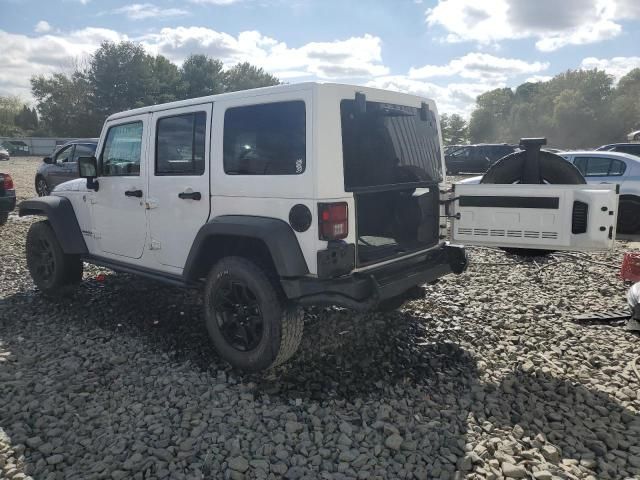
x: 151, y: 203
x: 155, y: 245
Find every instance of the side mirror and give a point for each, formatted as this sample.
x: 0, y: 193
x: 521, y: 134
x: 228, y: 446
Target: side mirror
x: 48, y: 160
x: 88, y: 168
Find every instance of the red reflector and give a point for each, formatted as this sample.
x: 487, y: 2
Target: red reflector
x: 8, y: 182
x: 333, y: 221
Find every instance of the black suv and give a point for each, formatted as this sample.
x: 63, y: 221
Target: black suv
x: 7, y: 197
x: 630, y: 148
x: 476, y: 158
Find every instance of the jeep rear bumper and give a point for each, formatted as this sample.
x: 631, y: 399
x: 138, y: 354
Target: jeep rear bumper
x: 362, y: 291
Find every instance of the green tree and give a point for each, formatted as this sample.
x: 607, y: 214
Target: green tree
x: 165, y: 84
x: 64, y: 105
x: 201, y: 76
x: 625, y: 106
x: 489, y: 121
x: 454, y: 128
x: 27, y: 119
x: 458, y: 130
x: 444, y: 128
x: 121, y: 77
x: 245, y: 76
x: 10, y: 106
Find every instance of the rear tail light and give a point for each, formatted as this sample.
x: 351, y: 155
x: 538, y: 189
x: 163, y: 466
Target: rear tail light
x: 8, y: 182
x: 333, y: 221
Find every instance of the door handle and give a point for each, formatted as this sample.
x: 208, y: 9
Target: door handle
x: 133, y: 193
x: 190, y: 195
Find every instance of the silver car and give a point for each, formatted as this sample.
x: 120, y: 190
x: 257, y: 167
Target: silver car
x: 613, y: 167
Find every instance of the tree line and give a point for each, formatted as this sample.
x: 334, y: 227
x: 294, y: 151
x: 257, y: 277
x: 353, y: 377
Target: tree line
x: 575, y: 109
x: 16, y: 118
x: 122, y: 76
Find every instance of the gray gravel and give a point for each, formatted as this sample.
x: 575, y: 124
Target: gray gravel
x: 485, y: 377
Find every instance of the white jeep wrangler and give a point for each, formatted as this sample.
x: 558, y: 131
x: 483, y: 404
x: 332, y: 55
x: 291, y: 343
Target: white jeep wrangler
x: 280, y: 197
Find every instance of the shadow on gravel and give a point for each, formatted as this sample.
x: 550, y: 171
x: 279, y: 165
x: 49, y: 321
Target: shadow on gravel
x: 165, y: 318
x: 412, y: 365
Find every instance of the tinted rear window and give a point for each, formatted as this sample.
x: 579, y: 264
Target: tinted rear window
x: 632, y: 149
x: 266, y: 139
x: 388, y: 145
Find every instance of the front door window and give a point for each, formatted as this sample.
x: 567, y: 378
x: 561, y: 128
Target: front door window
x: 121, y: 152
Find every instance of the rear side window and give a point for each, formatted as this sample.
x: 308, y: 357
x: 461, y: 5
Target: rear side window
x: 83, y: 150
x: 599, y: 166
x: 121, y: 151
x: 180, y: 144
x: 267, y: 139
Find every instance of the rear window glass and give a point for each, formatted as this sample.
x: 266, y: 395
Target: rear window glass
x: 389, y: 145
x: 266, y: 139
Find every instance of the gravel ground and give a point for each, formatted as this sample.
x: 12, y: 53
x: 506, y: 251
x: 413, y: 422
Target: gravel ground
x: 487, y: 376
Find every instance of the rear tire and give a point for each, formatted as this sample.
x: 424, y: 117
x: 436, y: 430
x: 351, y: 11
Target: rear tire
x: 250, y: 324
x: 629, y: 214
x: 553, y: 169
x: 54, y: 272
x: 4, y: 216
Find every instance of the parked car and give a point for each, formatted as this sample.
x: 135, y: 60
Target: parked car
x: 7, y: 197
x: 630, y: 148
x: 276, y: 198
x: 634, y: 136
x: 476, y: 158
x: 16, y: 147
x: 62, y: 165
x: 4, y: 153
x: 614, y: 167
x: 600, y: 167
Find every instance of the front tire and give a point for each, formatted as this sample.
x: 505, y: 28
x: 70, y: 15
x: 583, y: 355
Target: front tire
x: 4, y: 216
x: 42, y: 188
x: 54, y: 272
x: 249, y: 322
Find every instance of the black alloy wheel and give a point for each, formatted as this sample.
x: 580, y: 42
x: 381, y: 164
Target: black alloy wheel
x: 42, y: 189
x: 43, y: 259
x: 238, y: 314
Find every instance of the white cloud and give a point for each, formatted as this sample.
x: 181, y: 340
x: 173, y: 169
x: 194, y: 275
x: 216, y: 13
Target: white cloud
x: 141, y: 11
x: 22, y: 56
x: 616, y: 66
x: 216, y: 2
x: 351, y: 58
x: 42, y: 27
x: 538, y: 78
x: 453, y: 98
x: 355, y: 58
x: 480, y: 66
x: 554, y: 24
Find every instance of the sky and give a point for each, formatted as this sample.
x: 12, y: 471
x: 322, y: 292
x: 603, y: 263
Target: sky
x: 448, y: 50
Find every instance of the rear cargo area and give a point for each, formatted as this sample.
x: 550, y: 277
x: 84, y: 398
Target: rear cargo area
x: 392, y: 164
x: 395, y: 223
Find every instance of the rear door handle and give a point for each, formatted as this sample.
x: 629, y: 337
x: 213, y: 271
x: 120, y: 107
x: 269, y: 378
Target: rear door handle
x: 190, y: 195
x: 133, y: 193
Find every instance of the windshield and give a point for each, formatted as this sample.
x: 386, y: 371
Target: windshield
x: 388, y: 145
